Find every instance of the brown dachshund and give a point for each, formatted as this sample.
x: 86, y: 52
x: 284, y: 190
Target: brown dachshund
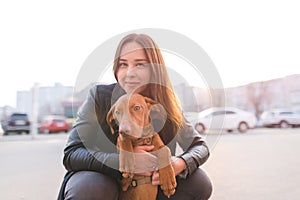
x: 132, y: 114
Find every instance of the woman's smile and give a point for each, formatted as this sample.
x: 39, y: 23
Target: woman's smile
x: 132, y: 83
x: 134, y: 70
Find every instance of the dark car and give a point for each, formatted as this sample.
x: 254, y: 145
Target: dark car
x: 16, y: 122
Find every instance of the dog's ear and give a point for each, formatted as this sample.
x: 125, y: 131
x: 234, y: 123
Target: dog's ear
x: 154, y: 106
x: 110, y: 118
x: 150, y: 102
x: 158, y: 114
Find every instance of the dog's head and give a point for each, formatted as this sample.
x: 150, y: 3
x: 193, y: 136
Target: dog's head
x: 132, y: 113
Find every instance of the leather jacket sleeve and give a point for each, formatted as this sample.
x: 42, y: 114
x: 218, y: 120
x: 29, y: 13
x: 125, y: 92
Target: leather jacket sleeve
x: 195, y: 150
x: 87, y: 147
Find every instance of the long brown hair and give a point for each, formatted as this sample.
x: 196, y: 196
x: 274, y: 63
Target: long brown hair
x: 162, y: 90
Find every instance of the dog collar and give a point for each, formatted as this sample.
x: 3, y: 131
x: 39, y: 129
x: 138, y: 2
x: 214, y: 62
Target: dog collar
x: 140, y: 181
x: 148, y: 133
x: 142, y: 141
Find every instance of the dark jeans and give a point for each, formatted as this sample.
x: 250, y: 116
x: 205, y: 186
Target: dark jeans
x: 93, y: 185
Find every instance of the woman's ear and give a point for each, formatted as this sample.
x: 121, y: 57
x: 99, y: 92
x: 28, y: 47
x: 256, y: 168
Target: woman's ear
x: 110, y: 119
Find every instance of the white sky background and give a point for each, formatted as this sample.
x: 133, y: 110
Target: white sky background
x: 48, y: 41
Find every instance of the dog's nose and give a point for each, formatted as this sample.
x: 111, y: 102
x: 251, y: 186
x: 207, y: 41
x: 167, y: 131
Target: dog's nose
x: 124, y: 128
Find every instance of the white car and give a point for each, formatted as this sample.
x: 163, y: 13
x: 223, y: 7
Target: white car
x: 282, y: 118
x: 1, y: 130
x: 222, y: 118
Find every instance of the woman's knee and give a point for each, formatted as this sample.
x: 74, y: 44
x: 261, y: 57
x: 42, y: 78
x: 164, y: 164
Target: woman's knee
x: 91, y: 185
x: 205, y: 189
x: 197, y: 186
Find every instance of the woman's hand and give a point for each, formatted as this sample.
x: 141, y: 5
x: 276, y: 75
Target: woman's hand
x: 178, y: 166
x: 146, y: 162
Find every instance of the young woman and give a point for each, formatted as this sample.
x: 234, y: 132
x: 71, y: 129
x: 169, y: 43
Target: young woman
x: 91, y: 156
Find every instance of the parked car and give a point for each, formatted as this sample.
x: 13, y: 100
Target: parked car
x: 52, y: 124
x: 282, y: 118
x: 16, y: 122
x: 222, y: 118
x: 1, y: 131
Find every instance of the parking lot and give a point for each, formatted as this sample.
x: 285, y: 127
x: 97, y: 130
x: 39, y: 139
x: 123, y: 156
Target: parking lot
x: 262, y: 164
x: 259, y: 164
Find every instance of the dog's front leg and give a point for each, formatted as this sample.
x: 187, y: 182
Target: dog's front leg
x: 166, y: 171
x: 126, y: 160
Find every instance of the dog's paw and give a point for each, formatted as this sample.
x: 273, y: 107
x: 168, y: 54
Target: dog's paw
x: 127, y: 175
x: 167, y: 180
x: 125, y: 183
x: 127, y: 163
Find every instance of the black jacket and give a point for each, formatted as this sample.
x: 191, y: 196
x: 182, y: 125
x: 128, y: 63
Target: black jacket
x: 91, y: 146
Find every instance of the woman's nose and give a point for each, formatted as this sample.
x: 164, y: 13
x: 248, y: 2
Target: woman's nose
x: 131, y: 71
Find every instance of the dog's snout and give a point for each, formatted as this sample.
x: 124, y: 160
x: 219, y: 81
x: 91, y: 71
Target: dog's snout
x: 124, y: 128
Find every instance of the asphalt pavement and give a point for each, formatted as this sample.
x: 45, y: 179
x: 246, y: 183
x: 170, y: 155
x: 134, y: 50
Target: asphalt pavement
x: 31, y: 166
x: 261, y: 164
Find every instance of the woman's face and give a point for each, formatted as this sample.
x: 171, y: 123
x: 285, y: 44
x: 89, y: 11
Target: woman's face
x: 134, y: 70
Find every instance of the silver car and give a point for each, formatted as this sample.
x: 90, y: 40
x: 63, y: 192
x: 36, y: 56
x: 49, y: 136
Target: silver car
x: 282, y: 118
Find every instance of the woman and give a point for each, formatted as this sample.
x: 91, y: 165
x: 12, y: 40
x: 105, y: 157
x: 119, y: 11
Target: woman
x: 91, y: 156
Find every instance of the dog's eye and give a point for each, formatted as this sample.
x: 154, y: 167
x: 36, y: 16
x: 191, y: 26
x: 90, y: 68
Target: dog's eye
x: 137, y: 108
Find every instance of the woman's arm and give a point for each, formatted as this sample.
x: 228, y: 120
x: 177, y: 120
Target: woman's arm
x: 195, y: 152
x: 78, y: 157
x: 87, y: 147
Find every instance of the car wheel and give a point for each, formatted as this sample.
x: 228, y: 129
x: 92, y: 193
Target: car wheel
x: 200, y: 128
x: 243, y: 127
x: 284, y: 124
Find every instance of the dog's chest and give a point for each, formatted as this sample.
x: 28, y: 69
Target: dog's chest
x: 147, y: 137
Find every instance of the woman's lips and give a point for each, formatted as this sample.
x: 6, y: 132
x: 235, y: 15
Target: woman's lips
x: 131, y: 84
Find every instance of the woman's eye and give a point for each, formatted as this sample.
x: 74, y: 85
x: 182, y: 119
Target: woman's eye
x: 137, y: 108
x: 117, y: 112
x: 122, y: 65
x: 140, y: 65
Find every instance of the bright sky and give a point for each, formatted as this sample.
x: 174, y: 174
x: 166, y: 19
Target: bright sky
x: 48, y: 41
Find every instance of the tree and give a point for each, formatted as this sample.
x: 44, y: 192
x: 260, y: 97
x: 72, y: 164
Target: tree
x: 258, y: 96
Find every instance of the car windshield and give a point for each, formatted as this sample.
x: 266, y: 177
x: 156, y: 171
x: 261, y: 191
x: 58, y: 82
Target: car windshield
x: 205, y: 113
x: 214, y: 112
x: 19, y: 117
x: 285, y: 113
x: 58, y: 120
